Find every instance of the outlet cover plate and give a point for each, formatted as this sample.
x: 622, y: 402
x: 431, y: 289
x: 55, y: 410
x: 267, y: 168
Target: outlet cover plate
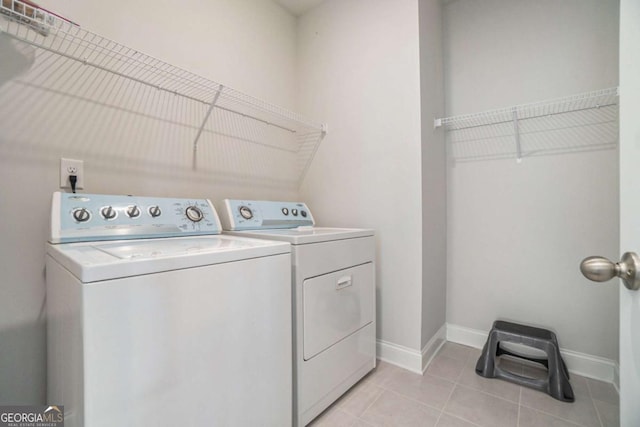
x: 71, y: 167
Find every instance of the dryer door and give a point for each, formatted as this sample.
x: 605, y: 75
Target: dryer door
x: 336, y: 305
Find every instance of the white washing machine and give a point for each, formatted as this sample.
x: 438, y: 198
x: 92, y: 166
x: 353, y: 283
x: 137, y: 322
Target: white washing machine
x: 155, y: 320
x: 333, y: 298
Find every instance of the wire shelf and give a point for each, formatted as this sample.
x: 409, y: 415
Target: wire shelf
x: 581, y: 122
x: 104, y: 63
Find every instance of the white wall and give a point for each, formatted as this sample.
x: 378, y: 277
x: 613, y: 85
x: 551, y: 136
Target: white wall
x: 359, y: 71
x: 248, y: 45
x: 517, y: 232
x: 434, y: 186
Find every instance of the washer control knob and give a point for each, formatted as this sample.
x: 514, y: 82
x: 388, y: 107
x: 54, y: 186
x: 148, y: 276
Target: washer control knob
x: 294, y: 212
x: 194, y: 213
x: 246, y: 212
x: 133, y: 211
x: 108, y: 212
x: 303, y: 213
x: 285, y: 211
x: 155, y: 211
x: 81, y: 215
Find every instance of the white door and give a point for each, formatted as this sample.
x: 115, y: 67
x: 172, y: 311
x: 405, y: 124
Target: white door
x: 629, y: 208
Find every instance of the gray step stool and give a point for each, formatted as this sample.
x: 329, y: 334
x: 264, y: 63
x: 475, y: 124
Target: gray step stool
x: 557, y: 382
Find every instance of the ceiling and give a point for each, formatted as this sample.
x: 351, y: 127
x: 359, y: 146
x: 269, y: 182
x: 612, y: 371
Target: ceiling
x: 298, y: 7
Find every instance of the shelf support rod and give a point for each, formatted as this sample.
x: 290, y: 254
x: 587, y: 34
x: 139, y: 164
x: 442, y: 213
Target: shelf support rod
x: 516, y: 133
x: 323, y: 132
x: 204, y: 122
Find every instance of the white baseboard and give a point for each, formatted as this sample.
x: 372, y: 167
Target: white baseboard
x: 399, y: 355
x: 466, y: 336
x: 582, y: 364
x: 408, y: 358
x: 432, y: 347
x: 586, y: 365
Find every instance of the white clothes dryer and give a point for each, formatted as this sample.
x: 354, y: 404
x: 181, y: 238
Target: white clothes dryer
x: 154, y: 320
x: 334, y: 333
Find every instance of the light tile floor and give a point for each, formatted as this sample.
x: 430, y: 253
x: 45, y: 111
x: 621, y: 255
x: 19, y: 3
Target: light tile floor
x: 451, y: 394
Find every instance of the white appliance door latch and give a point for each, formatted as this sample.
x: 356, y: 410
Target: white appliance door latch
x: 344, y: 282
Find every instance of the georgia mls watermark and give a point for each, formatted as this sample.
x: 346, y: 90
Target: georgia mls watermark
x: 32, y: 416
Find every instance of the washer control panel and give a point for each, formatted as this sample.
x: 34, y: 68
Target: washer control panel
x: 89, y: 217
x: 263, y: 214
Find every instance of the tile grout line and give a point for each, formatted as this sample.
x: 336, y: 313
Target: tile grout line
x: 455, y: 383
x: 486, y: 393
x: 542, y: 411
x: 594, y: 404
x: 446, y: 402
x: 411, y: 399
x: 371, y: 404
x: 381, y: 388
x: 457, y: 417
x: 362, y: 421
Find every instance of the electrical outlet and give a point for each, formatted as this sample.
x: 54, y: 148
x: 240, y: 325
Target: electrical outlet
x: 71, y: 167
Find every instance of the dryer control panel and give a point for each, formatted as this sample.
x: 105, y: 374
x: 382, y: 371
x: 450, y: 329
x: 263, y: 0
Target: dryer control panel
x: 92, y: 217
x: 264, y: 214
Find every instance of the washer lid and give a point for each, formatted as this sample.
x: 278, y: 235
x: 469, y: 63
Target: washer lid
x: 305, y: 235
x: 95, y: 261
